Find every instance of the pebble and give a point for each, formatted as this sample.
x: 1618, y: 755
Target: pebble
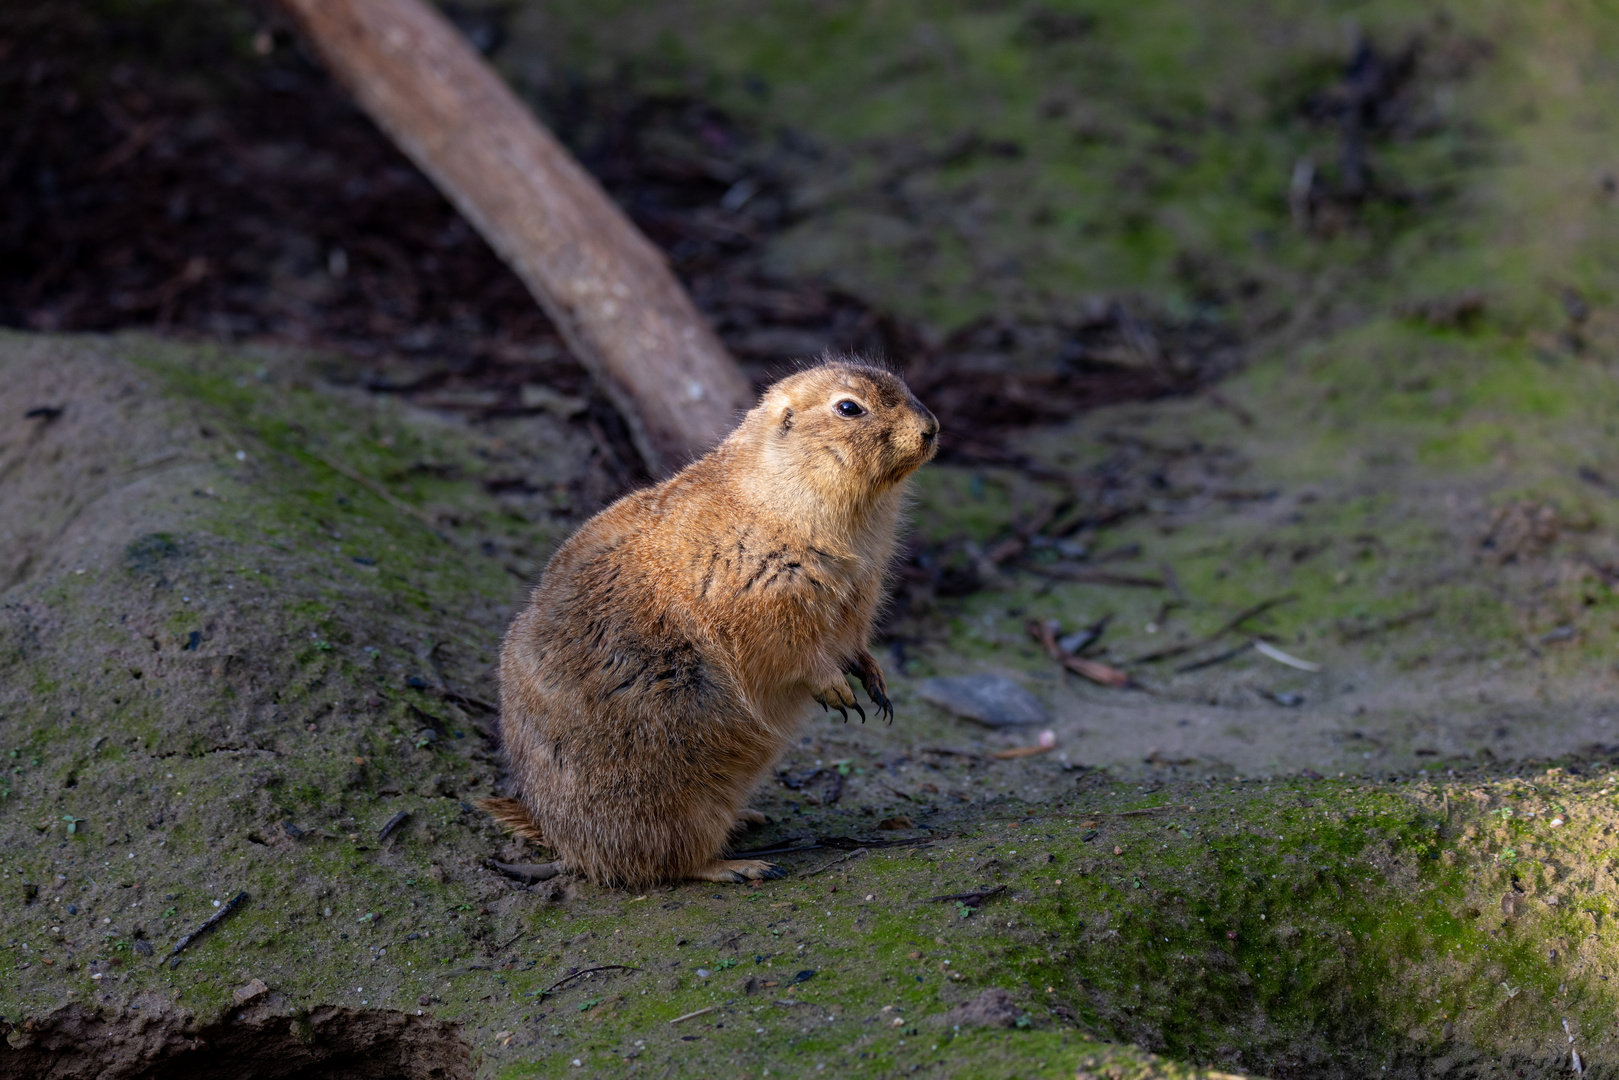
x: 250, y: 990
x: 992, y: 1008
x: 991, y: 700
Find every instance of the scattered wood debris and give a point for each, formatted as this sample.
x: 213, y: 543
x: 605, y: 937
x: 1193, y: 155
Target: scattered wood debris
x: 526, y: 871
x: 1046, y: 744
x: 1094, y: 670
x: 1266, y: 649
x: 212, y: 921
x: 968, y: 899
x: 1229, y: 626
x: 568, y: 978
x: 393, y: 823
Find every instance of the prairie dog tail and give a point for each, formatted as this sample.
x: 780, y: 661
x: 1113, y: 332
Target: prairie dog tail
x: 512, y: 816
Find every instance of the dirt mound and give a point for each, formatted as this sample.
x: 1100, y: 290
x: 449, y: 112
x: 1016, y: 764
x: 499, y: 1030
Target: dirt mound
x: 324, y: 1044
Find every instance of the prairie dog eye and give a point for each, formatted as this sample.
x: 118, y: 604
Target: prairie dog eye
x: 849, y: 409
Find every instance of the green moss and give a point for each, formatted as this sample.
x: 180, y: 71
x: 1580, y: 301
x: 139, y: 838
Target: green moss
x: 1148, y: 137
x: 1285, y: 923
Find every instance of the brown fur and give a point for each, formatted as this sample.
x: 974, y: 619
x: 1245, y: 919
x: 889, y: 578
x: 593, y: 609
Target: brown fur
x: 669, y: 654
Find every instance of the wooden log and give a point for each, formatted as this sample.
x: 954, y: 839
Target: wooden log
x: 607, y: 289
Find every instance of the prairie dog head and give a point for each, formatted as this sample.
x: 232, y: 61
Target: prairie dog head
x: 840, y: 434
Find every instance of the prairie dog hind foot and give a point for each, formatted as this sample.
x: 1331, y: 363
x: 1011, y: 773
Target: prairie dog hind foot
x: 736, y: 871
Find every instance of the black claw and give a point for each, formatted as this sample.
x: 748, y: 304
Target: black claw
x: 774, y: 872
x: 861, y: 711
x: 845, y: 713
x: 824, y: 708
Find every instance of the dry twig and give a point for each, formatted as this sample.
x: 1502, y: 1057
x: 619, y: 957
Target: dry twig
x: 212, y: 921
x: 846, y: 856
x: 1012, y: 753
x: 697, y: 1012
x: 379, y: 491
x: 586, y: 971
x: 1233, y: 623
x: 527, y: 871
x: 393, y: 823
x: 971, y: 899
x: 1094, y: 670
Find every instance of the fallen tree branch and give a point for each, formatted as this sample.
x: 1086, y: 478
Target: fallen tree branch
x: 607, y: 289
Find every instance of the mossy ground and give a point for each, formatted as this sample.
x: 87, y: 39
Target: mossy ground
x: 1250, y: 923
x: 265, y: 659
x: 1292, y: 927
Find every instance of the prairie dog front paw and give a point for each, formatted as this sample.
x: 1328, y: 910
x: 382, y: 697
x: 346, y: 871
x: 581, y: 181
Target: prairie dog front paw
x: 864, y: 667
x: 837, y: 694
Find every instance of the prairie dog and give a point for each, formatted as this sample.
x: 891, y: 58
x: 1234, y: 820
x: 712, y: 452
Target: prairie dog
x: 675, y: 642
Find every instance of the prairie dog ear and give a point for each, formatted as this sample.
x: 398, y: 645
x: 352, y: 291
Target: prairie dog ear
x: 786, y: 419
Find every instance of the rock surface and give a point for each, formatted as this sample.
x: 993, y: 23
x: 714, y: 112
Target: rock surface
x: 991, y: 700
x: 993, y: 1008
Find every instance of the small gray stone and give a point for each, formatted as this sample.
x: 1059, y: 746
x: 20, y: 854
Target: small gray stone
x: 252, y: 989
x: 992, y: 1008
x: 992, y: 700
